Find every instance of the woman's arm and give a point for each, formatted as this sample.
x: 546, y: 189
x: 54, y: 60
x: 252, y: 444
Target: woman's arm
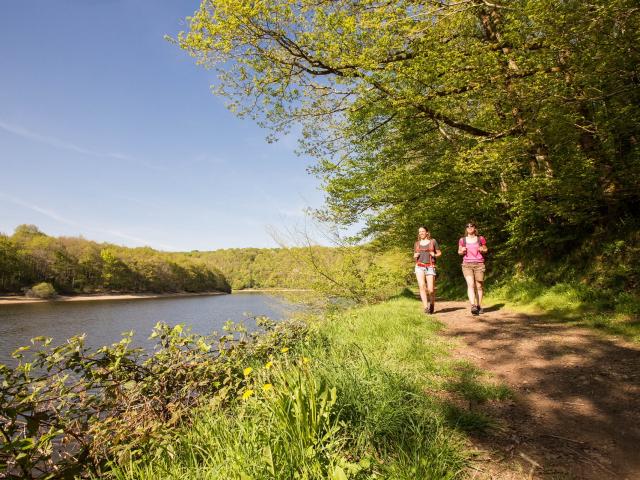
x: 482, y: 248
x: 462, y: 250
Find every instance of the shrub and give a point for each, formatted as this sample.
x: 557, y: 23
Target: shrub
x: 69, y: 410
x: 42, y: 290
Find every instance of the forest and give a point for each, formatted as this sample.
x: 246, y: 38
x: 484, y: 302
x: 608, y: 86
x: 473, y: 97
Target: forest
x: 76, y: 265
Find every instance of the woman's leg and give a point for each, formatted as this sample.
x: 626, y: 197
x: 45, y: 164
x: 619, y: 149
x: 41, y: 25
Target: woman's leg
x: 470, y: 279
x: 431, y: 292
x: 422, y: 286
x: 479, y: 278
x: 479, y: 285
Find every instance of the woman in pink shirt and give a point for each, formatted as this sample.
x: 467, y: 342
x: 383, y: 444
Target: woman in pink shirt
x: 471, y: 247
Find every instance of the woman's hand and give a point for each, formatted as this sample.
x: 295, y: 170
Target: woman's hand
x: 416, y: 255
x: 462, y: 251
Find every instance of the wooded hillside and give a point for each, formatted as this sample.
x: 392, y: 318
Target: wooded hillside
x: 76, y: 265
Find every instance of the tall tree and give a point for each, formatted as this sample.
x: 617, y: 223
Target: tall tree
x: 524, y: 115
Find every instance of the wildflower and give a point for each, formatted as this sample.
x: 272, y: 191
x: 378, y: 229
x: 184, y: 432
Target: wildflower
x: 268, y: 365
x: 305, y: 360
x: 247, y: 371
x: 247, y: 394
x: 284, y: 349
x: 266, y: 387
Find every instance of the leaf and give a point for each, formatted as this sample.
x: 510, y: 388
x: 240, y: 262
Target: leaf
x: 338, y: 473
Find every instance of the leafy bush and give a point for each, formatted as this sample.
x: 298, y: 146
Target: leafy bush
x: 42, y: 290
x: 70, y: 410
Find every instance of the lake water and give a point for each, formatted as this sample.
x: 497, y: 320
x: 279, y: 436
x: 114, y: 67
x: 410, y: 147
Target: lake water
x: 104, y: 321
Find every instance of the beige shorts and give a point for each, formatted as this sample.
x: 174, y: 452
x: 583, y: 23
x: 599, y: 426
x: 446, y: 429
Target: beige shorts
x: 475, y: 270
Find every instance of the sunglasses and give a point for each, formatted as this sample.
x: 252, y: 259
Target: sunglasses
x: 470, y: 225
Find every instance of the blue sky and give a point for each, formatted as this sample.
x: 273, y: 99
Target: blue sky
x: 110, y: 132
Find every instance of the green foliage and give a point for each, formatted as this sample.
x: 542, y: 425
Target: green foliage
x: 360, y: 273
x: 610, y: 310
x: 42, y: 290
x: 356, y: 395
x: 359, y: 398
x: 76, y: 265
x: 68, y: 410
x: 525, y: 117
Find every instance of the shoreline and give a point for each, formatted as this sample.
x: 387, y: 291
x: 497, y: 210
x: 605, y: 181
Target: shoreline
x: 19, y: 299
x: 260, y: 290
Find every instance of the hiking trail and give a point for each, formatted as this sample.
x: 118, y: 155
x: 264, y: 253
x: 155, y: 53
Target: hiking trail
x: 575, y: 412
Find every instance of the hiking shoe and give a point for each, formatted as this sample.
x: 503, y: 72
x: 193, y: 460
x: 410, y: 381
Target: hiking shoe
x: 432, y: 308
x: 426, y: 309
x: 474, y: 310
x: 480, y: 310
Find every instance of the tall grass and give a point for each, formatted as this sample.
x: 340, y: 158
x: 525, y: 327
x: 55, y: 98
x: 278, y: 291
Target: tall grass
x: 359, y: 399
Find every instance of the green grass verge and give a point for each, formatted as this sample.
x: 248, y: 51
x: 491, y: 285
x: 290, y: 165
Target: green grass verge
x: 611, y: 312
x: 372, y: 393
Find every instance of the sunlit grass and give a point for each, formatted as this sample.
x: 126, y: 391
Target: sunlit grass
x: 365, y: 397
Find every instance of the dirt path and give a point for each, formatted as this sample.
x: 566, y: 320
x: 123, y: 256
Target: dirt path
x: 576, y: 409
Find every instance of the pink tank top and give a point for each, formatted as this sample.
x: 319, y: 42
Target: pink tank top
x: 473, y: 254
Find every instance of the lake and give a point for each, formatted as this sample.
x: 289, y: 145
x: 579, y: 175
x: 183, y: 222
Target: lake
x: 104, y: 321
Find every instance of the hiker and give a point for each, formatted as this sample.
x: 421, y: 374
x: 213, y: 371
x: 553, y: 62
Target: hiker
x: 472, y: 246
x: 425, y: 252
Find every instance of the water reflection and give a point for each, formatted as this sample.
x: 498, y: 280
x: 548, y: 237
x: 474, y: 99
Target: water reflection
x: 105, y: 321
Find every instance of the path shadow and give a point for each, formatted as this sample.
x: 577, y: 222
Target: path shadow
x: 449, y: 309
x: 494, y: 308
x: 576, y: 405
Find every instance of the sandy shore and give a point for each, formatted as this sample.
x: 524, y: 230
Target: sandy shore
x: 267, y: 290
x: 16, y: 299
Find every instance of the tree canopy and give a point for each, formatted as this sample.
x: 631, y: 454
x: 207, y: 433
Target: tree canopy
x: 523, y: 115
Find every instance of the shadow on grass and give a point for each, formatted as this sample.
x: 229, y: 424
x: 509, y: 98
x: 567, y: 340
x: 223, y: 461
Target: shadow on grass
x: 470, y: 389
x: 449, y: 309
x: 494, y: 308
x: 612, y: 323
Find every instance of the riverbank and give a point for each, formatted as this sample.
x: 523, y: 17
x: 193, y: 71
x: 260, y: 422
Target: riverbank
x: 367, y: 393
x: 20, y: 299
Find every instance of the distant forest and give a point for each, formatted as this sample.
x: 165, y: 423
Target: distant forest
x: 76, y: 265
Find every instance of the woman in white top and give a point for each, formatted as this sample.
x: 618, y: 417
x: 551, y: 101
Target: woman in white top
x: 425, y: 252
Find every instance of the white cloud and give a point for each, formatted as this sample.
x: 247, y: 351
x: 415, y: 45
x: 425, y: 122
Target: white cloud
x: 57, y: 143
x: 100, y: 231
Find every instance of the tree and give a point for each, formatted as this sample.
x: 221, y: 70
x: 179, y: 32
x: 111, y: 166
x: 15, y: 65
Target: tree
x: 524, y: 116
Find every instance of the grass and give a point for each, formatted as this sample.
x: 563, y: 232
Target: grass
x: 371, y: 394
x: 612, y: 312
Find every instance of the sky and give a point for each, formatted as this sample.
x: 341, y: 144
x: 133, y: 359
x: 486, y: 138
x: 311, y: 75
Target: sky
x: 110, y: 132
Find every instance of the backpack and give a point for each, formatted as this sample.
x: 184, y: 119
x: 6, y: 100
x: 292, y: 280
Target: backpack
x: 430, y: 247
x: 481, y: 241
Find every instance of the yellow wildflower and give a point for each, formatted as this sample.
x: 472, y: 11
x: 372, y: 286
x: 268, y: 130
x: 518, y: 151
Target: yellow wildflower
x: 247, y: 371
x: 247, y: 394
x: 305, y: 360
x: 284, y: 349
x: 268, y: 365
x: 266, y: 387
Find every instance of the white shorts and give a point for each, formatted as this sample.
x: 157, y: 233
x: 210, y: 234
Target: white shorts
x: 425, y: 270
